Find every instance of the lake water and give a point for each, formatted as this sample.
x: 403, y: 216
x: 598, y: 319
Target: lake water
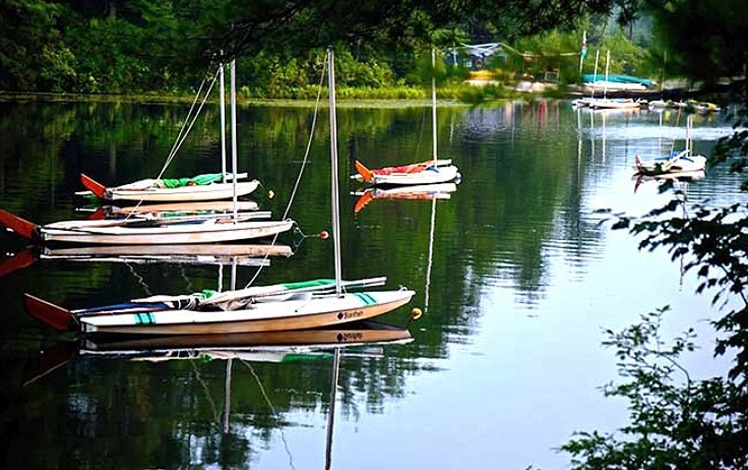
x: 518, y: 283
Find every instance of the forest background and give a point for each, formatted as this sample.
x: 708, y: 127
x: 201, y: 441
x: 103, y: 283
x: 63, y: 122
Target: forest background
x: 165, y: 47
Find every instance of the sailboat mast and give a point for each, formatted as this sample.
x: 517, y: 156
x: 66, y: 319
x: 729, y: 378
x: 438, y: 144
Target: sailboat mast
x: 594, y: 77
x: 234, y: 149
x: 334, y: 170
x: 433, y: 102
x: 607, y: 67
x: 222, y: 102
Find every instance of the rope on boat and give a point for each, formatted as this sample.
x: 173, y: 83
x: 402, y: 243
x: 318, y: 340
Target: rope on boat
x: 304, y: 162
x: 186, y: 128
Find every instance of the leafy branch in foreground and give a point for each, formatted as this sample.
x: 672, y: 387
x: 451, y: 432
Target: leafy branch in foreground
x: 676, y: 422
x: 715, y: 242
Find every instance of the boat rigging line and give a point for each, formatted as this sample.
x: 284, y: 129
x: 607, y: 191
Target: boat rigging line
x: 304, y: 162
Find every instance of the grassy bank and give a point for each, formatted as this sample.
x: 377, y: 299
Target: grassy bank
x: 399, y: 96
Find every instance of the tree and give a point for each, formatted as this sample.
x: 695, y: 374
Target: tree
x: 698, y: 425
x: 683, y: 423
x: 628, y: 12
x: 32, y: 52
x: 706, y: 40
x: 138, y: 45
x: 676, y: 422
x: 382, y: 23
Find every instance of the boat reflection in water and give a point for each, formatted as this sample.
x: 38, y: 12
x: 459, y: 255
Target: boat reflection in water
x: 285, y: 348
x: 423, y: 192
x: 271, y: 346
x: 669, y: 179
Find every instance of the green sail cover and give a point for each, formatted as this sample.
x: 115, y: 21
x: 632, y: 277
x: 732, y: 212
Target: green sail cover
x: 207, y: 293
x: 199, y: 180
x: 312, y: 283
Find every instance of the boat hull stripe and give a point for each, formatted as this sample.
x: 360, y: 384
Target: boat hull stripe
x: 145, y: 318
x: 366, y: 298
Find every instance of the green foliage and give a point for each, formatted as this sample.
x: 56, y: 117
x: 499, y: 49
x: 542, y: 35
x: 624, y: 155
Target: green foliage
x: 133, y: 51
x: 552, y: 51
x: 161, y: 46
x: 480, y: 94
x: 686, y: 424
x: 382, y: 93
x: 734, y: 149
x: 716, y: 239
x: 368, y: 72
x: 625, y: 57
x: 32, y: 52
x: 136, y: 46
x: 676, y: 422
x: 425, y: 70
x: 275, y: 77
x: 628, y: 11
x: 706, y: 40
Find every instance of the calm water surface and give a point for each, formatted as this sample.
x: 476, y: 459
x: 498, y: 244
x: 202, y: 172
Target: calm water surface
x: 518, y: 282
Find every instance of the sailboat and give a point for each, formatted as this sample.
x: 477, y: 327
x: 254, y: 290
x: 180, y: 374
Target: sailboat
x: 682, y: 178
x: 204, y: 187
x: 146, y: 231
x: 605, y: 102
x: 197, y: 254
x: 427, y: 172
x: 289, y: 306
x: 682, y: 163
x: 173, y: 209
x: 155, y: 230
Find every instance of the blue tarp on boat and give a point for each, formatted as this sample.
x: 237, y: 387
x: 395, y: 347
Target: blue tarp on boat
x: 589, y: 78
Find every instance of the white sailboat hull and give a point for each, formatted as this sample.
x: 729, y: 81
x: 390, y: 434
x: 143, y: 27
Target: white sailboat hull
x: 167, y: 209
x: 602, y: 85
x: 431, y: 175
x: 607, y: 103
x: 208, y: 192
x: 313, y: 312
x: 687, y: 164
x: 166, y: 251
x: 675, y: 163
x: 239, y: 254
x: 203, y: 231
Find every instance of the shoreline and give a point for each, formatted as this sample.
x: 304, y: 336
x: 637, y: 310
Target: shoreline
x: 523, y: 90
x: 48, y: 97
